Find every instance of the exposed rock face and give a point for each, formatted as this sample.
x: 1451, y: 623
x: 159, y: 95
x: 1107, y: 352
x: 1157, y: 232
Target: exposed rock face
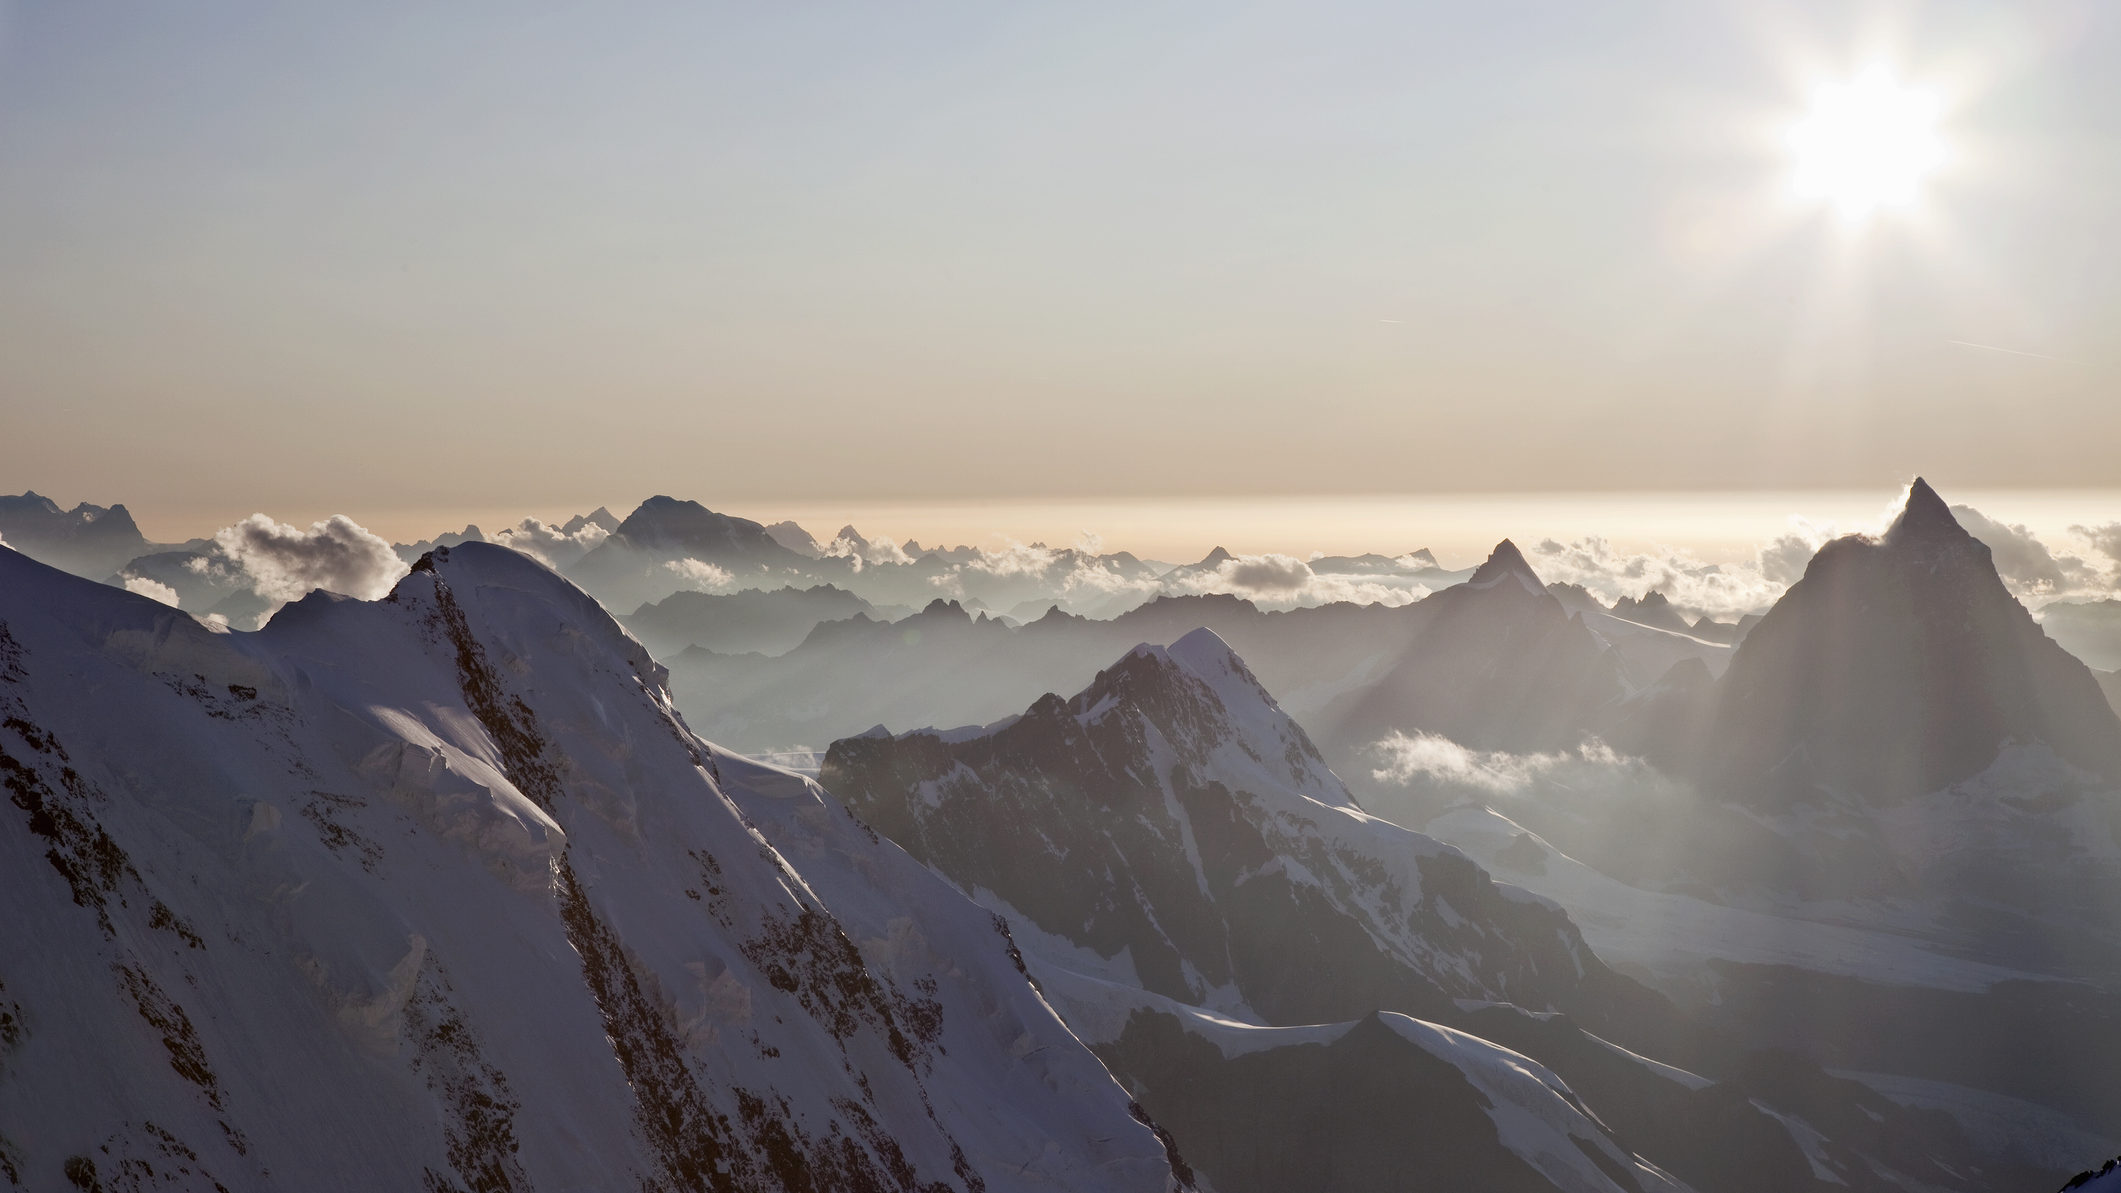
x: 1897, y: 666
x: 1238, y: 864
x: 438, y: 892
x: 1281, y: 979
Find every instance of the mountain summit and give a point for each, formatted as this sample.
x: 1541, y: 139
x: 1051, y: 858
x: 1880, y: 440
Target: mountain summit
x: 1925, y: 518
x: 1503, y: 562
x: 1900, y: 665
x: 438, y: 890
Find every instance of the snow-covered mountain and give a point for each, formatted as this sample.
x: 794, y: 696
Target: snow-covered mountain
x: 1282, y: 973
x: 1251, y: 878
x: 438, y: 892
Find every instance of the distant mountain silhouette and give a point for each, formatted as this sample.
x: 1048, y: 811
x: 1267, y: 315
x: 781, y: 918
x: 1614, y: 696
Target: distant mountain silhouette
x: 1899, y: 665
x: 630, y: 567
x: 1498, y: 664
x: 88, y: 540
x: 763, y: 620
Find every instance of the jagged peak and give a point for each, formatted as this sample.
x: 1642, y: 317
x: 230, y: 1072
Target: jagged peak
x: 1924, y: 518
x: 1503, y: 562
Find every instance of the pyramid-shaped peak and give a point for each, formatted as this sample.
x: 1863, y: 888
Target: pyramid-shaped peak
x: 1505, y: 561
x: 1924, y: 517
x: 1215, y: 558
x: 1204, y: 653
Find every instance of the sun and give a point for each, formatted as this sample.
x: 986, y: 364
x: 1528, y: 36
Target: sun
x: 1867, y: 145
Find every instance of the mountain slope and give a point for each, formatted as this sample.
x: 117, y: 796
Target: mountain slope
x: 1499, y: 665
x: 437, y: 892
x: 1246, y: 875
x: 1201, y: 899
x: 1897, y: 666
x: 643, y: 559
x: 760, y: 620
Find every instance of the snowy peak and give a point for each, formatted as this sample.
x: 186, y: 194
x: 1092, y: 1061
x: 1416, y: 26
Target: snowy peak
x: 445, y: 871
x: 1172, y: 812
x: 1504, y: 562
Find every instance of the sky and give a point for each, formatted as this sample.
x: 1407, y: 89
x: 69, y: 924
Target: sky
x: 410, y: 260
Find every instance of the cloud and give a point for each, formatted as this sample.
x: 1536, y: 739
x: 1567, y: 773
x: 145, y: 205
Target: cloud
x: 1584, y: 778
x: 2105, y: 540
x: 549, y: 544
x: 1270, y: 573
x: 1407, y: 759
x: 1020, y: 559
x: 2026, y: 564
x: 1718, y: 590
x: 153, y: 589
x: 284, y: 563
x: 849, y: 544
x: 1285, y: 582
x: 699, y: 575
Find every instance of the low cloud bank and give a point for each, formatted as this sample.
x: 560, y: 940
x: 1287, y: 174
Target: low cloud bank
x: 1721, y: 591
x: 1284, y: 582
x: 2036, y: 571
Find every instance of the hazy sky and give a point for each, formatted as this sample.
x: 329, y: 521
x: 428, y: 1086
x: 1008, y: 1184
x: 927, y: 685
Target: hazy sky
x: 397, y: 256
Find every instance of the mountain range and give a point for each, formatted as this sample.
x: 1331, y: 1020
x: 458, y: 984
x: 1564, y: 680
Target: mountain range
x: 438, y: 892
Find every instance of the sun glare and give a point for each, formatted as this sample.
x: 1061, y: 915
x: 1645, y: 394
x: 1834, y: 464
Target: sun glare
x: 1867, y: 144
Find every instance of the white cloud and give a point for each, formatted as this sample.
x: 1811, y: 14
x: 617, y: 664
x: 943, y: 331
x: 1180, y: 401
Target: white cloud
x: 1722, y: 591
x: 2106, y: 540
x: 699, y: 575
x: 1426, y: 757
x: 1020, y: 559
x: 154, y: 589
x: 2026, y: 564
x: 849, y: 544
x: 549, y: 544
x: 284, y: 563
x: 1285, y: 582
x: 1426, y: 760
